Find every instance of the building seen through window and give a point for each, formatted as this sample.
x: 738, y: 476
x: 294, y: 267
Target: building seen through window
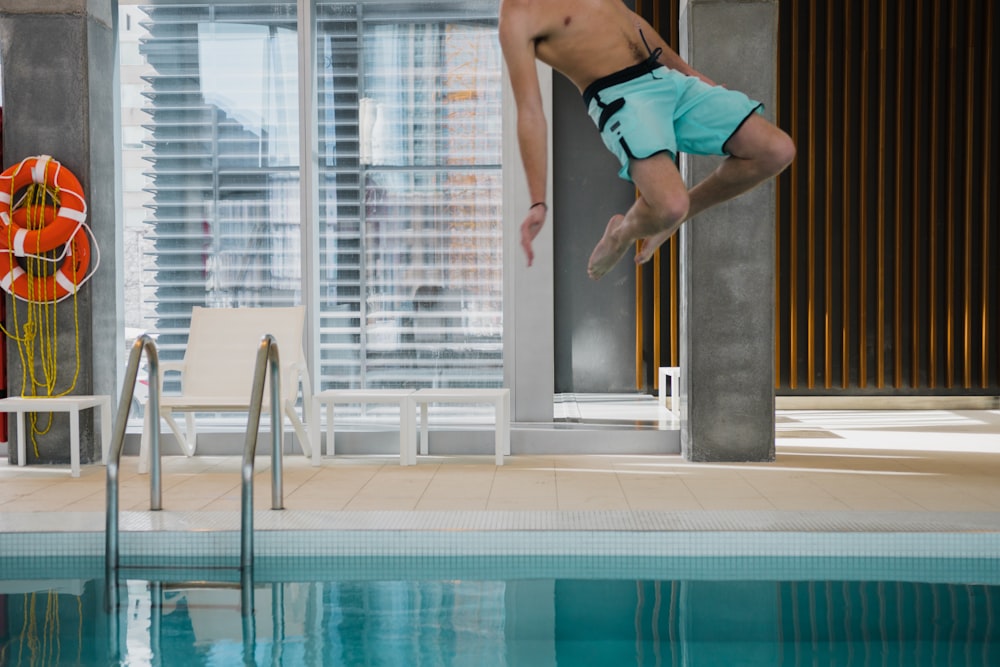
x: 408, y: 120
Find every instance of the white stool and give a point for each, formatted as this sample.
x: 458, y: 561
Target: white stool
x: 674, y: 373
x: 499, y: 398
x: 70, y: 404
x: 407, y: 450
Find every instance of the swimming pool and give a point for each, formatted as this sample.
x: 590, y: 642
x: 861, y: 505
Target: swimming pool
x: 501, y: 610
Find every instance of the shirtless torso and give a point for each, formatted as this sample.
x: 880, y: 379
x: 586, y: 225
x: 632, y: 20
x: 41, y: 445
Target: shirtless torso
x: 587, y: 39
x: 584, y: 39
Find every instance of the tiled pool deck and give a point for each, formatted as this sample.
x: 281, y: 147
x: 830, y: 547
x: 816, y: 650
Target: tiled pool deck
x: 849, y: 482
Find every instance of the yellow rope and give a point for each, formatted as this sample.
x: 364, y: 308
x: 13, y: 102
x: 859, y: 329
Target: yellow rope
x: 79, y: 629
x: 44, y: 649
x: 38, y: 339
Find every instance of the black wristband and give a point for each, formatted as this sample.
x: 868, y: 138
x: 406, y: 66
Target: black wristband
x: 539, y: 203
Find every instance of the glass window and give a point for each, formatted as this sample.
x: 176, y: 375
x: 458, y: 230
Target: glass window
x: 410, y: 185
x: 408, y: 144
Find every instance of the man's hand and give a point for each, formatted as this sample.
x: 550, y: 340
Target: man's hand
x: 530, y: 227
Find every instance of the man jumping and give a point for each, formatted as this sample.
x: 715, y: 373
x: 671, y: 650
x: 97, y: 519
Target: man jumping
x: 648, y: 104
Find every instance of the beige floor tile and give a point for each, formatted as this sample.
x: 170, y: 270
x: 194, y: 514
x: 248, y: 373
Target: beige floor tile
x: 842, y: 469
x: 444, y: 490
x: 823, y: 503
x: 663, y: 503
x: 881, y: 504
x: 535, y: 504
x: 733, y: 503
x: 728, y: 487
x: 452, y: 503
x: 382, y: 503
x: 592, y: 501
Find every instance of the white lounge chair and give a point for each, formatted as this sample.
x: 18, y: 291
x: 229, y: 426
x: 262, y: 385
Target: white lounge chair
x: 218, y: 367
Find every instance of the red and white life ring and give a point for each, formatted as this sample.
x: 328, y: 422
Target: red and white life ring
x: 65, y: 280
x: 42, y: 222
x: 61, y: 185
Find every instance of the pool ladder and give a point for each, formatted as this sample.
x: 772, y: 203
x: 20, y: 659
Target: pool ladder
x: 267, y: 360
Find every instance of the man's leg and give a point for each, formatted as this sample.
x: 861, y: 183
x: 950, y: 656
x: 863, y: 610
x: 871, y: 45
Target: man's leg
x: 758, y: 151
x: 660, y: 208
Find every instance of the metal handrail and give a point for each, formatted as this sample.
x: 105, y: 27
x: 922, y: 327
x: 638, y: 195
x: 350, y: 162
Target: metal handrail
x: 143, y: 342
x: 267, y: 357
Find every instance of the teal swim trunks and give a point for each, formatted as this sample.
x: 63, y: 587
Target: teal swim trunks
x: 648, y: 108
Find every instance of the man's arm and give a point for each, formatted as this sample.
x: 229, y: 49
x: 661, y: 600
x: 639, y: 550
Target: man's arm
x: 517, y: 42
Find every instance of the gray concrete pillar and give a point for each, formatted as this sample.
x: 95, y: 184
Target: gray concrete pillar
x: 727, y: 255
x: 59, y: 60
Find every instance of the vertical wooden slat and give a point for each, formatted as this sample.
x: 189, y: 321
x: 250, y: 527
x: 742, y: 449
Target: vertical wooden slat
x: 987, y: 89
x: 950, y: 168
x: 916, y: 266
x: 847, y: 176
x: 828, y: 209
x: 639, y: 379
x: 657, y: 300
x: 811, y: 203
x: 898, y: 110
x: 932, y: 251
x: 793, y: 234
x: 880, y: 193
x: 862, y: 177
x: 674, y: 301
x: 970, y: 150
x: 778, y: 277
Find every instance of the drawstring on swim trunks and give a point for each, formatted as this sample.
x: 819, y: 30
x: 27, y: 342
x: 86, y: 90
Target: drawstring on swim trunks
x: 647, y: 66
x: 654, y: 55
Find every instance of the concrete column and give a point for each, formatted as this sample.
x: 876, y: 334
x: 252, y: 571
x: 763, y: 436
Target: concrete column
x: 59, y: 60
x: 728, y: 255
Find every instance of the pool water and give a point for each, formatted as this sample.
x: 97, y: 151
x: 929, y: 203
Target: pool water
x: 535, y: 612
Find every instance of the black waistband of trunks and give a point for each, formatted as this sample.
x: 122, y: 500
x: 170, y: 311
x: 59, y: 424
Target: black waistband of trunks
x: 627, y: 74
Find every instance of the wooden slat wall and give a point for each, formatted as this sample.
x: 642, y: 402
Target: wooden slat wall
x: 887, y: 266
x: 887, y: 231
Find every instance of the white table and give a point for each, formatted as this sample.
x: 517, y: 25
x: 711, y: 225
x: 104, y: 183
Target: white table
x: 330, y: 397
x: 499, y: 398
x: 70, y: 404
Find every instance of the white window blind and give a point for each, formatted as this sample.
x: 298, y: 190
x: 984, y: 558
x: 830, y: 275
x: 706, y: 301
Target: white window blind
x: 409, y: 229
x: 409, y: 133
x: 221, y: 161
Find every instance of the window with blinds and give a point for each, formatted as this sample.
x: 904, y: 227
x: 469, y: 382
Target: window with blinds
x: 409, y: 194
x: 408, y: 144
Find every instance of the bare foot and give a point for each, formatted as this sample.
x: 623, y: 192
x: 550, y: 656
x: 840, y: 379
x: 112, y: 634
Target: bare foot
x: 650, y: 244
x: 609, y: 249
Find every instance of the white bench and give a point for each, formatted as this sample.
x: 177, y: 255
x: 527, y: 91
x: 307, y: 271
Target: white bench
x: 70, y: 404
x: 498, y: 398
x: 674, y: 373
x: 330, y: 397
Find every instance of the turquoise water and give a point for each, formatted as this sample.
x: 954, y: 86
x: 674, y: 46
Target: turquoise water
x: 517, y: 611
